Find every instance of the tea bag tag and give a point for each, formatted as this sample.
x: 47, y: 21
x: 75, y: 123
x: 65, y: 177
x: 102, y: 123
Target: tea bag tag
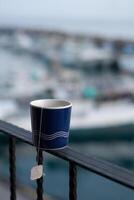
x: 36, y: 172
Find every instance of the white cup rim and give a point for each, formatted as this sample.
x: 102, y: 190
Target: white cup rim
x: 51, y: 103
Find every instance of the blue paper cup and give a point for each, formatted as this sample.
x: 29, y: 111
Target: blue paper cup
x: 50, y: 122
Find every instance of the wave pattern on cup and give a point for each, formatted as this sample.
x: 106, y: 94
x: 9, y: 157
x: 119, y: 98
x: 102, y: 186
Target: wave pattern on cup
x: 56, y: 135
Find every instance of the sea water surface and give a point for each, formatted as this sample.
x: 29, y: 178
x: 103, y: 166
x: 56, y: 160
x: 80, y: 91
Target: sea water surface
x: 56, y: 179
x: 114, y: 18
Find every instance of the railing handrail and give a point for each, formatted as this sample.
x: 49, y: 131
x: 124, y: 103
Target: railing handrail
x: 99, y: 166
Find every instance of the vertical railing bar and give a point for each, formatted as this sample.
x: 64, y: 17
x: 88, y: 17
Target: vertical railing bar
x: 12, y: 168
x: 72, y: 181
x: 39, y: 182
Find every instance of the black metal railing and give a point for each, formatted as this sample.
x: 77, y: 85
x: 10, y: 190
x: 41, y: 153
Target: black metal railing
x: 98, y: 166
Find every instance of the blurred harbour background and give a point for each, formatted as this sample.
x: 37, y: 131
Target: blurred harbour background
x: 82, y: 51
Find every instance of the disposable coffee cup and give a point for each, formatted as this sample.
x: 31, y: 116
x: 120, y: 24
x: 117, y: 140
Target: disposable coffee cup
x: 50, y: 122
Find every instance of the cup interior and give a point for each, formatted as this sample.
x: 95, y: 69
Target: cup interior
x: 51, y: 103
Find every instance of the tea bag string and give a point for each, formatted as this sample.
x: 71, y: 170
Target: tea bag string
x: 37, y: 170
x: 39, y: 138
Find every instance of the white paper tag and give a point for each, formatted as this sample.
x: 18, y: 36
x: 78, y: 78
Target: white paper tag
x: 36, y: 172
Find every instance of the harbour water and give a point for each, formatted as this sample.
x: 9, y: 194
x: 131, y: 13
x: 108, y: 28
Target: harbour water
x: 94, y: 17
x: 56, y: 177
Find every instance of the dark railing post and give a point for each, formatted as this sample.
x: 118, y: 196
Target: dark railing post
x: 12, y: 168
x: 39, y: 181
x: 72, y: 181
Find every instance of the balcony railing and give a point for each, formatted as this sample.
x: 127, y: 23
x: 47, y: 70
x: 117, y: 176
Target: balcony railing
x: 98, y: 166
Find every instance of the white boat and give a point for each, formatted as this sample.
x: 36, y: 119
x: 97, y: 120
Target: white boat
x: 90, y: 120
x: 20, y: 76
x: 127, y: 63
x: 8, y: 108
